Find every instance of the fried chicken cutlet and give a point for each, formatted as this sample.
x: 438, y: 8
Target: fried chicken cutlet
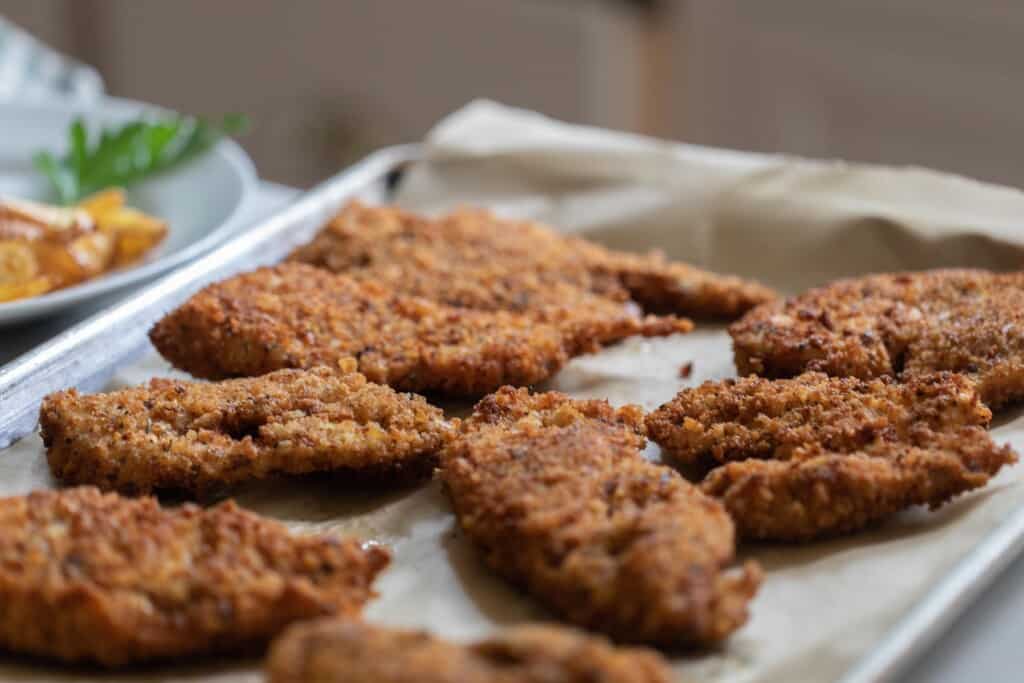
x: 94, y: 577
x: 558, y: 498
x: 904, y: 325
x: 819, y: 456
x: 752, y: 417
x: 473, y: 259
x: 346, y: 651
x: 199, y: 437
x: 298, y: 316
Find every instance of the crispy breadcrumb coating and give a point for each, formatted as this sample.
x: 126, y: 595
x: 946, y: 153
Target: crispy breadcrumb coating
x: 199, y: 437
x: 820, y: 493
x: 509, y: 408
x: 818, y: 456
x: 298, y: 316
x: 346, y: 651
x: 558, y: 498
x: 473, y: 259
x: 753, y: 417
x: 904, y: 324
x: 86, y: 576
x: 663, y: 286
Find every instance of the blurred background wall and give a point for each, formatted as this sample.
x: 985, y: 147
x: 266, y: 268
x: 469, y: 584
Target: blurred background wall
x: 932, y: 82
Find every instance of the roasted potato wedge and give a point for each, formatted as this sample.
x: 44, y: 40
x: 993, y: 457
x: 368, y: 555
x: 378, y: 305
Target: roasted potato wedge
x: 45, y: 247
x: 133, y: 232
x: 20, y: 274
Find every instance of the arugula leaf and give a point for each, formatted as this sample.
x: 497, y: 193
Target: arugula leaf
x: 127, y: 154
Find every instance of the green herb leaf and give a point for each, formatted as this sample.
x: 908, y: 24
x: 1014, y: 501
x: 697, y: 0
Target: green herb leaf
x: 127, y: 154
x: 79, y: 145
x: 64, y: 182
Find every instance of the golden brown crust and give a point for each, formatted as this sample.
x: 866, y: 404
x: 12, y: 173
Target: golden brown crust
x: 663, y: 286
x: 820, y: 493
x: 558, y: 498
x: 471, y: 258
x: 903, y: 324
x: 298, y: 316
x: 91, y: 577
x: 511, y: 408
x: 753, y: 417
x: 345, y: 651
x: 198, y: 437
x: 818, y: 456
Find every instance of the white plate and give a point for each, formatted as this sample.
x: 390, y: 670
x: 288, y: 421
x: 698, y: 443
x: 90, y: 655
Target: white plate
x: 201, y: 200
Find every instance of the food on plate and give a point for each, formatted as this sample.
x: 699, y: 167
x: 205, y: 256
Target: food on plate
x: 298, y: 316
x: 134, y: 232
x: 43, y: 247
x: 347, y: 651
x: 558, y: 498
x: 819, y: 456
x: 199, y: 437
x: 473, y: 259
x: 903, y: 325
x: 86, y: 576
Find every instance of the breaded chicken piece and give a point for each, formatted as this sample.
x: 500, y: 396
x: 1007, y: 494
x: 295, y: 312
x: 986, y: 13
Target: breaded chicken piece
x: 736, y: 419
x: 86, y: 576
x: 298, y: 316
x: 199, y: 437
x: 558, y: 498
x: 663, y: 286
x: 473, y: 259
x: 905, y: 324
x: 346, y: 651
x: 819, y: 456
x: 819, y: 493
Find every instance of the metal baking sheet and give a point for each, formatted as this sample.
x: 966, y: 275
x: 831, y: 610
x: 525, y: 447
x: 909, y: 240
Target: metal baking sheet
x: 87, y: 355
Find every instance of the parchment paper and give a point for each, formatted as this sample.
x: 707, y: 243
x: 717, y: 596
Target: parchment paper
x: 790, y: 222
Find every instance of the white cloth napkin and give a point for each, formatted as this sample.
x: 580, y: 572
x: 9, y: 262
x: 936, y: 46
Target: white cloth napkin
x: 30, y: 69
